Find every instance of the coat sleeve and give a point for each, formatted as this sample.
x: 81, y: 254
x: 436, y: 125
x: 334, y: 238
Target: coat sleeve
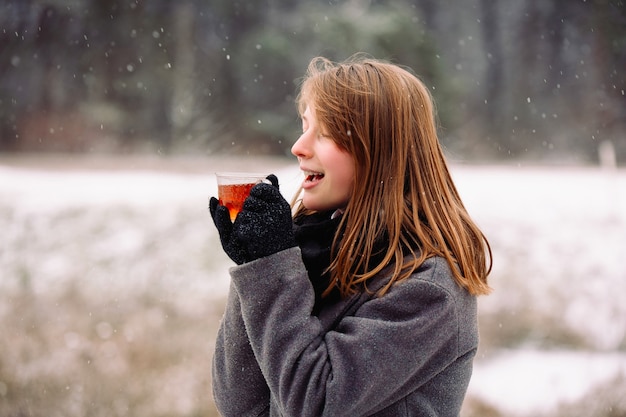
x: 388, y: 349
x: 239, y: 388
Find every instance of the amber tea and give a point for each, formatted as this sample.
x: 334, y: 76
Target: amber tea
x: 234, y: 188
x: 232, y: 196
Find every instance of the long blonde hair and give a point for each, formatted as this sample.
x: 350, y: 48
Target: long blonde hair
x: 384, y: 116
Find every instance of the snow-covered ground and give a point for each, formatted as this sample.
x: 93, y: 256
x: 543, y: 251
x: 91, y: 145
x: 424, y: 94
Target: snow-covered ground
x: 558, y: 237
x: 530, y: 382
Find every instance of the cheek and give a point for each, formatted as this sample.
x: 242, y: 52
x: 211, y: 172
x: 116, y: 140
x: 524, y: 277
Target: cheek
x: 345, y: 173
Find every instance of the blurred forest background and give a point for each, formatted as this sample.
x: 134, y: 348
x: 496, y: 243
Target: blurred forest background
x: 540, y: 80
x: 112, y: 282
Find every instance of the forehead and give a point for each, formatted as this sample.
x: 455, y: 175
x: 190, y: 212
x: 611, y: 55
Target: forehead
x: 306, y: 97
x: 308, y: 112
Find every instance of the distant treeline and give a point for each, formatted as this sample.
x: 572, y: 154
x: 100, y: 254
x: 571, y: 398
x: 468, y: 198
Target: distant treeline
x: 532, y: 79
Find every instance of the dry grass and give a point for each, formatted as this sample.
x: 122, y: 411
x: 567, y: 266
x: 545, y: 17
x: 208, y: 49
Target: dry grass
x: 66, y: 355
x: 104, y: 309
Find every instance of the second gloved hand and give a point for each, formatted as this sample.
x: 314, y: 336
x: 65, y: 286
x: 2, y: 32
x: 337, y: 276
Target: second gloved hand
x: 262, y: 228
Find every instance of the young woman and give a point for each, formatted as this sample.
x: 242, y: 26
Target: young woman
x: 363, y: 303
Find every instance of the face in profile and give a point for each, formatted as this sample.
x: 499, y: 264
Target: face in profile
x: 328, y: 169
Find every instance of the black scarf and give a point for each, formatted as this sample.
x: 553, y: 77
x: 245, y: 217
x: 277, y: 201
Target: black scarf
x: 314, y: 234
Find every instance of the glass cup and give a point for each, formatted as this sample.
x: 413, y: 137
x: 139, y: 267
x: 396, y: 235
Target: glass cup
x: 234, y: 187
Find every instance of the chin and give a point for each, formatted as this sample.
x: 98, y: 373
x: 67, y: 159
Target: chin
x: 313, y: 205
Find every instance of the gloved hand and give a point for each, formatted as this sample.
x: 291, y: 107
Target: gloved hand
x: 221, y: 218
x: 262, y: 228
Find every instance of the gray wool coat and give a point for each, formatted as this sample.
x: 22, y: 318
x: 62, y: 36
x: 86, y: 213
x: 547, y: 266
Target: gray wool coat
x: 408, y: 353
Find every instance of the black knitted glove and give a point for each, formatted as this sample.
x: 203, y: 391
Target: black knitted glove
x: 221, y: 218
x: 262, y: 228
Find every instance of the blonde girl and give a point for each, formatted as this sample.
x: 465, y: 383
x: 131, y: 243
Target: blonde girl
x: 363, y: 302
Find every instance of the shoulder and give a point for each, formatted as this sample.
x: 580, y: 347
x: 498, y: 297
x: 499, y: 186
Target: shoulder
x: 433, y: 276
x: 436, y: 272
x: 431, y: 294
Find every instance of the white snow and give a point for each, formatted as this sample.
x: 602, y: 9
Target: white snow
x: 530, y: 382
x: 558, y: 236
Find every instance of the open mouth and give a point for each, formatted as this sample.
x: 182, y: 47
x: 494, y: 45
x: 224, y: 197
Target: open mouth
x: 313, y: 176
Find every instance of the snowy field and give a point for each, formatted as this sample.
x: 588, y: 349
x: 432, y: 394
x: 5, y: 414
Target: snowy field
x: 112, y: 282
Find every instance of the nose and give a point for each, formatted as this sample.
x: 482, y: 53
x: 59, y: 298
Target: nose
x: 299, y: 149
